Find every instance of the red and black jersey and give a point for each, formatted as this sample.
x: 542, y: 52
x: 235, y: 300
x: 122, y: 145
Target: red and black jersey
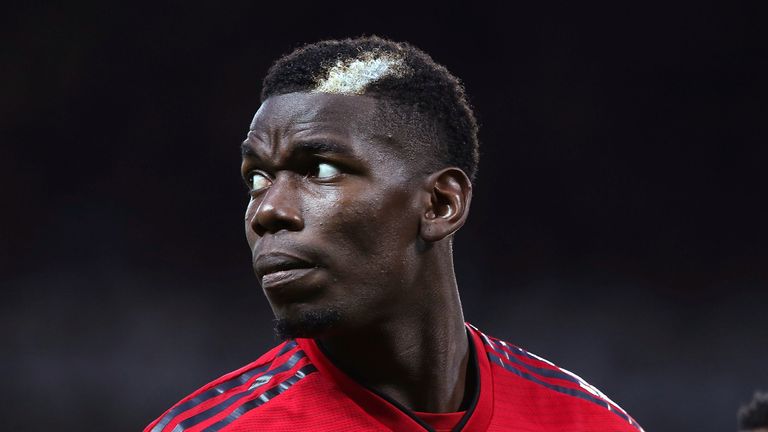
x: 295, y: 387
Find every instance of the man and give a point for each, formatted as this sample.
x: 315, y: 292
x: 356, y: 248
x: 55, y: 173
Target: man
x: 754, y: 416
x: 359, y: 164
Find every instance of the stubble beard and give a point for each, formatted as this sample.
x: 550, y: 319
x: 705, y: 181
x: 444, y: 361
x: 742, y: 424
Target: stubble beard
x: 309, y: 324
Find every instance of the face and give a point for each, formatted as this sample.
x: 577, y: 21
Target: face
x: 333, y: 217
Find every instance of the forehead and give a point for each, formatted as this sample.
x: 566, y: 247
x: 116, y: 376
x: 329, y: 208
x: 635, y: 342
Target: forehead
x: 294, y: 112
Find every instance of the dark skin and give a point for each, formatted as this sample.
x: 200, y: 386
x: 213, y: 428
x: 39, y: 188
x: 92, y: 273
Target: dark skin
x: 343, y: 218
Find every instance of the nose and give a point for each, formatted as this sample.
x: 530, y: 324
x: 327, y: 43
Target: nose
x: 279, y: 209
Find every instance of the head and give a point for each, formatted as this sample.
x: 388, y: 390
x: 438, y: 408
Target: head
x: 359, y: 164
x: 753, y: 417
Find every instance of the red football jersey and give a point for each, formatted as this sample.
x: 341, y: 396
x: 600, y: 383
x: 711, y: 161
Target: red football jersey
x: 294, y: 387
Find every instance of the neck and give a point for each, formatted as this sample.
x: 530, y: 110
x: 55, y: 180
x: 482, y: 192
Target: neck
x: 418, y: 359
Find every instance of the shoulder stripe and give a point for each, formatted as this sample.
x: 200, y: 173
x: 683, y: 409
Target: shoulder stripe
x: 493, y: 357
x: 557, y: 373
x: 215, y: 391
x: 518, y: 361
x: 287, y: 347
x: 260, y: 381
x: 264, y: 398
x: 549, y: 373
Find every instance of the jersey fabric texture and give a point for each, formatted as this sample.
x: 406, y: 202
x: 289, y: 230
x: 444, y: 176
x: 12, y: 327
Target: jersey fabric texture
x: 295, y: 387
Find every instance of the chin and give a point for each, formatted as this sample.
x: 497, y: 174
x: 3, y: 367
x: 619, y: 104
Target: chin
x: 307, y: 324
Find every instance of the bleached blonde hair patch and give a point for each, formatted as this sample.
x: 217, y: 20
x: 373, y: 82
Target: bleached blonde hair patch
x: 353, y: 76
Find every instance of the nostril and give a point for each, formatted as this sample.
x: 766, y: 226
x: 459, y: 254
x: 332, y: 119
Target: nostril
x: 258, y: 229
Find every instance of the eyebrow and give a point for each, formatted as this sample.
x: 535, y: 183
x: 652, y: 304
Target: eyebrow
x: 317, y: 146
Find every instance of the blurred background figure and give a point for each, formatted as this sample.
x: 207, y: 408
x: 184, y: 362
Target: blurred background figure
x: 753, y: 417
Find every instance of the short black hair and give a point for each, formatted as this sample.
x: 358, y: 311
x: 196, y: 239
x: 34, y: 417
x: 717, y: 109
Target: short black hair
x: 427, y: 90
x: 755, y: 414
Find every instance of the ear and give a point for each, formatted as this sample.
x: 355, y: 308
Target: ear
x: 449, y: 192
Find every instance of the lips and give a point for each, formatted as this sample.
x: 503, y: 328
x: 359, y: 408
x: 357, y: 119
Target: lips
x: 278, y: 267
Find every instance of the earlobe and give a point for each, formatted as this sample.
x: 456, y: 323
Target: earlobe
x: 449, y: 195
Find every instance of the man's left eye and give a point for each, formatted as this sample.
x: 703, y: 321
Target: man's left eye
x: 326, y: 170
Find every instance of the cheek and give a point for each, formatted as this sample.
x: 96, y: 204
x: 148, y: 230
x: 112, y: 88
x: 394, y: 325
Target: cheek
x: 371, y: 225
x: 249, y: 212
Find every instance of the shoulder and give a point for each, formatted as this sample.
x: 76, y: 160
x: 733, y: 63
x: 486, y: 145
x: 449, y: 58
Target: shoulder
x: 552, y: 394
x: 212, y: 403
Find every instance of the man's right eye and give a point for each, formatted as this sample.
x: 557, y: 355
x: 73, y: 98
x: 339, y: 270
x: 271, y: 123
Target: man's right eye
x: 258, y: 180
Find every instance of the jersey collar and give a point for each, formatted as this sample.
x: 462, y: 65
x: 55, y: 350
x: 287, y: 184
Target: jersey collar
x: 393, y: 415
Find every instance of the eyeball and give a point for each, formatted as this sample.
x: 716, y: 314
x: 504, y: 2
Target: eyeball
x: 259, y: 181
x: 326, y: 170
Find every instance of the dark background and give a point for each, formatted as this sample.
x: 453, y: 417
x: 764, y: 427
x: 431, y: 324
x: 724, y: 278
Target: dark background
x: 618, y: 227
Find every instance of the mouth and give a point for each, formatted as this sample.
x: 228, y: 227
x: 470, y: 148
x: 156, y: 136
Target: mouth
x: 277, y: 268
